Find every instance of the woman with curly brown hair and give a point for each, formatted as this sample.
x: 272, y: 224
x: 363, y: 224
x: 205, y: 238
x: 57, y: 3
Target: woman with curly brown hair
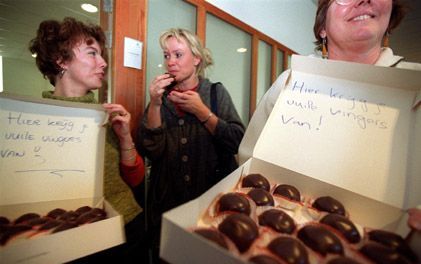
x: 70, y: 54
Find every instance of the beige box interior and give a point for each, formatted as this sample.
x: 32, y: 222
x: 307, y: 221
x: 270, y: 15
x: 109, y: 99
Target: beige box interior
x: 52, y: 156
x: 346, y: 130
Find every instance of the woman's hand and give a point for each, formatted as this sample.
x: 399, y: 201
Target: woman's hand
x: 157, y: 88
x: 120, y: 121
x: 414, y: 220
x: 190, y: 102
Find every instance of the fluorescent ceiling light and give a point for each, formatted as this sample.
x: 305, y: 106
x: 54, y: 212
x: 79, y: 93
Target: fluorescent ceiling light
x: 89, y: 8
x: 241, y: 50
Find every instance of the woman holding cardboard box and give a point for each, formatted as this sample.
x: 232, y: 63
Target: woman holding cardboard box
x: 70, y: 55
x: 345, y: 30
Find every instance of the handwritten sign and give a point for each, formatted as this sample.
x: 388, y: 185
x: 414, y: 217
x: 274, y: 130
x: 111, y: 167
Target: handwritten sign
x: 49, y: 152
x: 355, y: 133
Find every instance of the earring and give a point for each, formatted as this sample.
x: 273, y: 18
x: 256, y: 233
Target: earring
x: 386, y: 39
x: 61, y: 73
x: 324, y: 48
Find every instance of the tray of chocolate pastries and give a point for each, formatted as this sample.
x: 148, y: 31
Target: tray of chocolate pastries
x: 265, y: 222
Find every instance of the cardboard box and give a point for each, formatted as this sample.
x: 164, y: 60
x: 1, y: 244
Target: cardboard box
x: 52, y: 156
x: 346, y: 130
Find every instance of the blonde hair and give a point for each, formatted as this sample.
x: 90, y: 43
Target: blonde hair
x: 194, y: 44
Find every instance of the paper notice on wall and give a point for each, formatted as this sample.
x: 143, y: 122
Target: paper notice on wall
x: 344, y: 124
x: 43, y: 145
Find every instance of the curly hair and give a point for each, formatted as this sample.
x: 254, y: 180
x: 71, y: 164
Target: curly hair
x: 55, y: 40
x: 399, y: 10
x: 195, y: 46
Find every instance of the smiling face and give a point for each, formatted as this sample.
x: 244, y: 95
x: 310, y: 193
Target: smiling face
x: 359, y: 25
x: 179, y: 60
x: 86, y: 70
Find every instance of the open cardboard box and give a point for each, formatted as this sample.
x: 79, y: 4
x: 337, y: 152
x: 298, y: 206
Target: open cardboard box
x: 52, y: 156
x: 346, y: 130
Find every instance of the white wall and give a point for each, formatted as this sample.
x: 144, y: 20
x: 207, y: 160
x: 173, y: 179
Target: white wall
x: 290, y: 22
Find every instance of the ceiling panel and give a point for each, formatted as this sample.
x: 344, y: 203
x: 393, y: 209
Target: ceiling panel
x: 19, y: 20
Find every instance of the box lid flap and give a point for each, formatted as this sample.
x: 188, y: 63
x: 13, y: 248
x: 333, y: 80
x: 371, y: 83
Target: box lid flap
x: 50, y: 150
x: 350, y: 125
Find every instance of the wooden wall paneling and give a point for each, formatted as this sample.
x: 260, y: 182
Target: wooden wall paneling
x: 285, y: 61
x: 253, y: 75
x: 201, y: 24
x: 128, y: 88
x: 274, y: 64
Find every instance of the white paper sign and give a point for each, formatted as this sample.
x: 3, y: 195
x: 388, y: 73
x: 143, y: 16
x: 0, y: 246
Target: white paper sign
x: 49, y: 152
x: 354, y: 134
x: 132, y: 53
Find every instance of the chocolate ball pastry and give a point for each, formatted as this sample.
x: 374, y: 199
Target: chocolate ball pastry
x: 320, y: 240
x: 64, y: 226
x: 329, y: 204
x: 212, y: 235
x: 394, y: 241
x: 289, y: 250
x: 4, y: 220
x: 379, y: 253
x: 256, y: 180
x: 83, y: 209
x: 261, y: 197
x: 278, y: 220
x: 36, y: 222
x: 234, y: 202
x: 241, y: 229
x: 26, y: 217
x: 69, y: 216
x: 55, y: 213
x: 263, y: 259
x: 50, y: 225
x: 342, y: 260
x: 343, y: 225
x: 288, y: 191
x: 11, y: 231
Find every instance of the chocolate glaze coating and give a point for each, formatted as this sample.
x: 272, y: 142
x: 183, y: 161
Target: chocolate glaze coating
x: 289, y: 249
x: 69, y: 216
x: 55, y: 213
x: 256, y: 180
x: 11, y: 231
x: 212, y: 235
x: 50, y: 225
x: 263, y: 259
x: 394, y: 241
x: 288, y: 191
x: 277, y: 220
x: 234, y: 202
x: 382, y: 254
x: 241, y: 229
x: 320, y: 240
x: 329, y: 204
x: 261, y: 197
x: 4, y: 220
x: 25, y: 217
x: 83, y: 209
x: 342, y: 260
x: 64, y: 226
x: 345, y: 226
x: 38, y: 221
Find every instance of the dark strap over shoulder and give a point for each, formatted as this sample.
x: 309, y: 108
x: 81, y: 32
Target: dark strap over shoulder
x: 214, y: 105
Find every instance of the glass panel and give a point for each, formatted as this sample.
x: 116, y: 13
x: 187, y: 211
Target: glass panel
x: 20, y: 21
x: 263, y: 69
x: 162, y: 15
x: 289, y: 60
x: 280, y: 62
x: 232, y: 68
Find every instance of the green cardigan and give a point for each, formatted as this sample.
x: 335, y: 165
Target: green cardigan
x: 116, y: 191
